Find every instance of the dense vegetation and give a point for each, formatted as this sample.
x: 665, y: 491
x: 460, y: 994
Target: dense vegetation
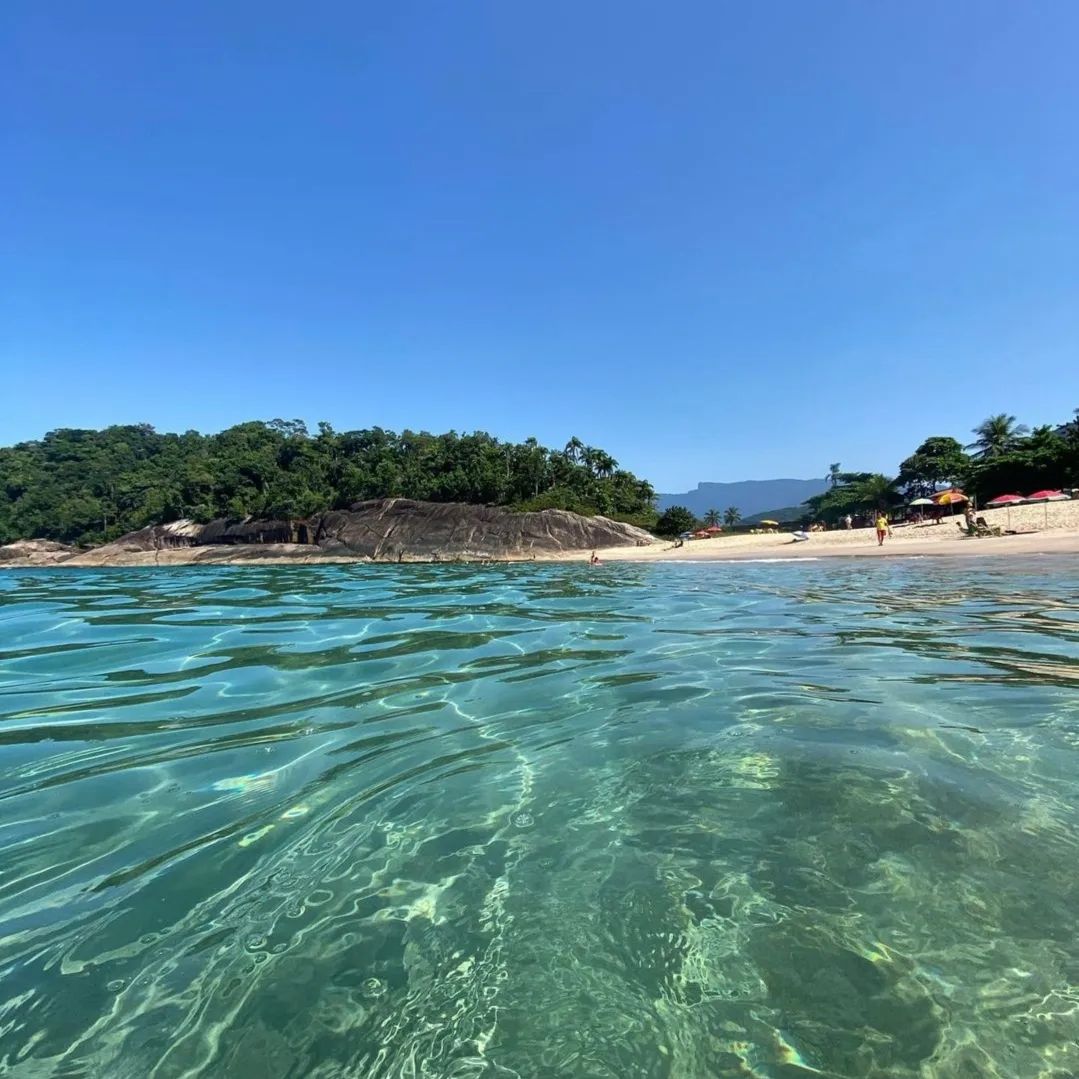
x: 82, y: 486
x: 1005, y: 458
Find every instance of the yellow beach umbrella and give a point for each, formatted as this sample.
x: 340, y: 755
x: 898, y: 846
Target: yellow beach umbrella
x: 950, y: 498
x: 772, y: 524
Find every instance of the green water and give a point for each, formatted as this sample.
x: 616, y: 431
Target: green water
x: 640, y: 821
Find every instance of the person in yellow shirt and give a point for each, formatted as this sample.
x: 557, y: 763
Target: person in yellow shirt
x: 882, y: 528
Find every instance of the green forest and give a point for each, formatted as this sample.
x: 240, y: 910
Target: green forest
x: 88, y: 487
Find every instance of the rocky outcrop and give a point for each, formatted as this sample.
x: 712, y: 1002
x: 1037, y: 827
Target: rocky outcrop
x: 384, y: 530
x: 401, y: 530
x: 37, y: 552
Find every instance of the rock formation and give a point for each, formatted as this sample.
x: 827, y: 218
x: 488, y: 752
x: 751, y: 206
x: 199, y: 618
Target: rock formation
x: 384, y: 530
x: 399, y: 529
x: 36, y: 552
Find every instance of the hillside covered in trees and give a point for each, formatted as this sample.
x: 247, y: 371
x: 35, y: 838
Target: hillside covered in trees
x: 86, y: 487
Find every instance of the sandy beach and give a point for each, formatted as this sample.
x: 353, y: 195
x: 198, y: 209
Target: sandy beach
x: 1051, y: 528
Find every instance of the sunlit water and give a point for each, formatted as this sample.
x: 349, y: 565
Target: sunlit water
x: 463, y: 822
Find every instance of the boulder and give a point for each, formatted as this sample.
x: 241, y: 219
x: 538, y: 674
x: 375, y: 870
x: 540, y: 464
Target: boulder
x: 403, y: 530
x: 35, y: 552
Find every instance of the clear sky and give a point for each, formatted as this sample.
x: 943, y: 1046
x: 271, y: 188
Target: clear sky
x: 722, y: 240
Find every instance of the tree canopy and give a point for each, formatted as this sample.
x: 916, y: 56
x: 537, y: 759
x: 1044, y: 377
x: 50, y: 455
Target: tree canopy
x: 997, y: 435
x: 936, y: 461
x: 86, y: 486
x: 854, y: 492
x: 675, y: 520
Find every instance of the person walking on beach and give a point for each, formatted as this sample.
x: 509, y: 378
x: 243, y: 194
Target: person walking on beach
x: 882, y: 528
x: 848, y: 521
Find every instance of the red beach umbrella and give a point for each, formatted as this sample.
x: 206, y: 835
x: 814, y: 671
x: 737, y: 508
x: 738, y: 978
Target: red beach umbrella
x: 1008, y: 501
x: 1046, y: 497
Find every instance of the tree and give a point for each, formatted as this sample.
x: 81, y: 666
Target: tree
x: 876, y: 491
x: 937, y: 460
x: 712, y: 518
x: 834, y: 474
x: 1045, y: 459
x: 603, y: 464
x: 732, y: 515
x: 676, y: 520
x: 573, y: 451
x: 997, y: 435
x: 856, y: 493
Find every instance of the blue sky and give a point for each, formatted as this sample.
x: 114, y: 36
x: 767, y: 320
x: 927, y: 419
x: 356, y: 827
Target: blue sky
x: 722, y: 241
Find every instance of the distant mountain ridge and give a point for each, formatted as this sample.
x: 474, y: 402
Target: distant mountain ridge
x: 750, y: 496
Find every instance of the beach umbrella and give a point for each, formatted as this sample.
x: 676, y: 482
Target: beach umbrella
x: 1047, y: 497
x: 713, y: 530
x: 923, y: 502
x: 770, y: 524
x: 950, y: 498
x: 1008, y: 501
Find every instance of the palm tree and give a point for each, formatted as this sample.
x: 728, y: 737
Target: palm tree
x: 997, y: 435
x: 834, y: 474
x: 574, y: 449
x: 876, y: 491
x: 603, y: 464
x: 711, y: 518
x: 1043, y: 438
x: 732, y: 515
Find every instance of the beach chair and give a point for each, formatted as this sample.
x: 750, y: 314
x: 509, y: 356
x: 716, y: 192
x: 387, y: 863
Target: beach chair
x: 965, y: 530
x: 983, y: 528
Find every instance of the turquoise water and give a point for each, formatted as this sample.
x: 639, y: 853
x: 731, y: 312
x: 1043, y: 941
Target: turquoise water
x: 640, y: 821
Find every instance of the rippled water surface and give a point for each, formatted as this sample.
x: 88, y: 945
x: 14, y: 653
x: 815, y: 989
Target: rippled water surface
x: 463, y: 822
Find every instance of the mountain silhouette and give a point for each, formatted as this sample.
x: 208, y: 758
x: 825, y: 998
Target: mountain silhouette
x: 750, y: 496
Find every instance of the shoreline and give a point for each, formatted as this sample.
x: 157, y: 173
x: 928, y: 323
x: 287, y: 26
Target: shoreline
x: 1040, y: 530
x: 785, y: 551
x: 770, y: 549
